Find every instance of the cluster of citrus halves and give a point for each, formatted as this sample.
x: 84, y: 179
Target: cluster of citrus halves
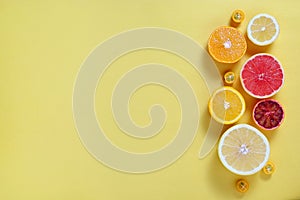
x: 244, y: 149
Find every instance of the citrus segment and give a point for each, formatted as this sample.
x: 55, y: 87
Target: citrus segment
x: 263, y: 29
x: 262, y: 76
x: 226, y: 105
x: 243, y: 149
x: 227, y: 44
x: 268, y: 114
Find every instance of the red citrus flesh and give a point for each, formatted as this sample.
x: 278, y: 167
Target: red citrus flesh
x: 262, y: 76
x: 268, y: 114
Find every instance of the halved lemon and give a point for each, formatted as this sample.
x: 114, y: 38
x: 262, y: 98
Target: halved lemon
x: 263, y: 29
x: 226, y: 105
x: 243, y: 149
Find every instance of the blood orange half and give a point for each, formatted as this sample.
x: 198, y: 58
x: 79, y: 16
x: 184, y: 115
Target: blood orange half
x: 268, y: 114
x: 262, y: 76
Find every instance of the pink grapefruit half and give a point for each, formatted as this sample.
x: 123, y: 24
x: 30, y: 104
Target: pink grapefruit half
x: 268, y: 114
x: 262, y: 76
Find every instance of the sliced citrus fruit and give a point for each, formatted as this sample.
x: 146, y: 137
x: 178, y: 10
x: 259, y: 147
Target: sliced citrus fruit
x: 262, y: 76
x: 263, y: 29
x: 242, y: 185
x: 226, y: 105
x: 227, y: 44
x: 268, y: 114
x: 238, y: 16
x: 243, y: 149
x: 269, y: 168
x: 229, y: 77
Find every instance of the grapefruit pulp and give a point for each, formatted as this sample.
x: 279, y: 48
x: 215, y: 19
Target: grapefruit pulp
x: 262, y: 76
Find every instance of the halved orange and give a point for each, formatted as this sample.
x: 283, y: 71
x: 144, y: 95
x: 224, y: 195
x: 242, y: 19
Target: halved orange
x: 227, y: 44
x: 226, y: 105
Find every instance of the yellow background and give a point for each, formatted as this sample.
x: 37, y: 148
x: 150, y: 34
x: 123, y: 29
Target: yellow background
x: 43, y: 44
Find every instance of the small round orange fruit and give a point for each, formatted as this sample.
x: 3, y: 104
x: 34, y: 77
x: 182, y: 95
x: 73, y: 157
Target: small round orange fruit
x: 238, y: 16
x: 269, y: 168
x: 229, y: 77
x: 242, y: 185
